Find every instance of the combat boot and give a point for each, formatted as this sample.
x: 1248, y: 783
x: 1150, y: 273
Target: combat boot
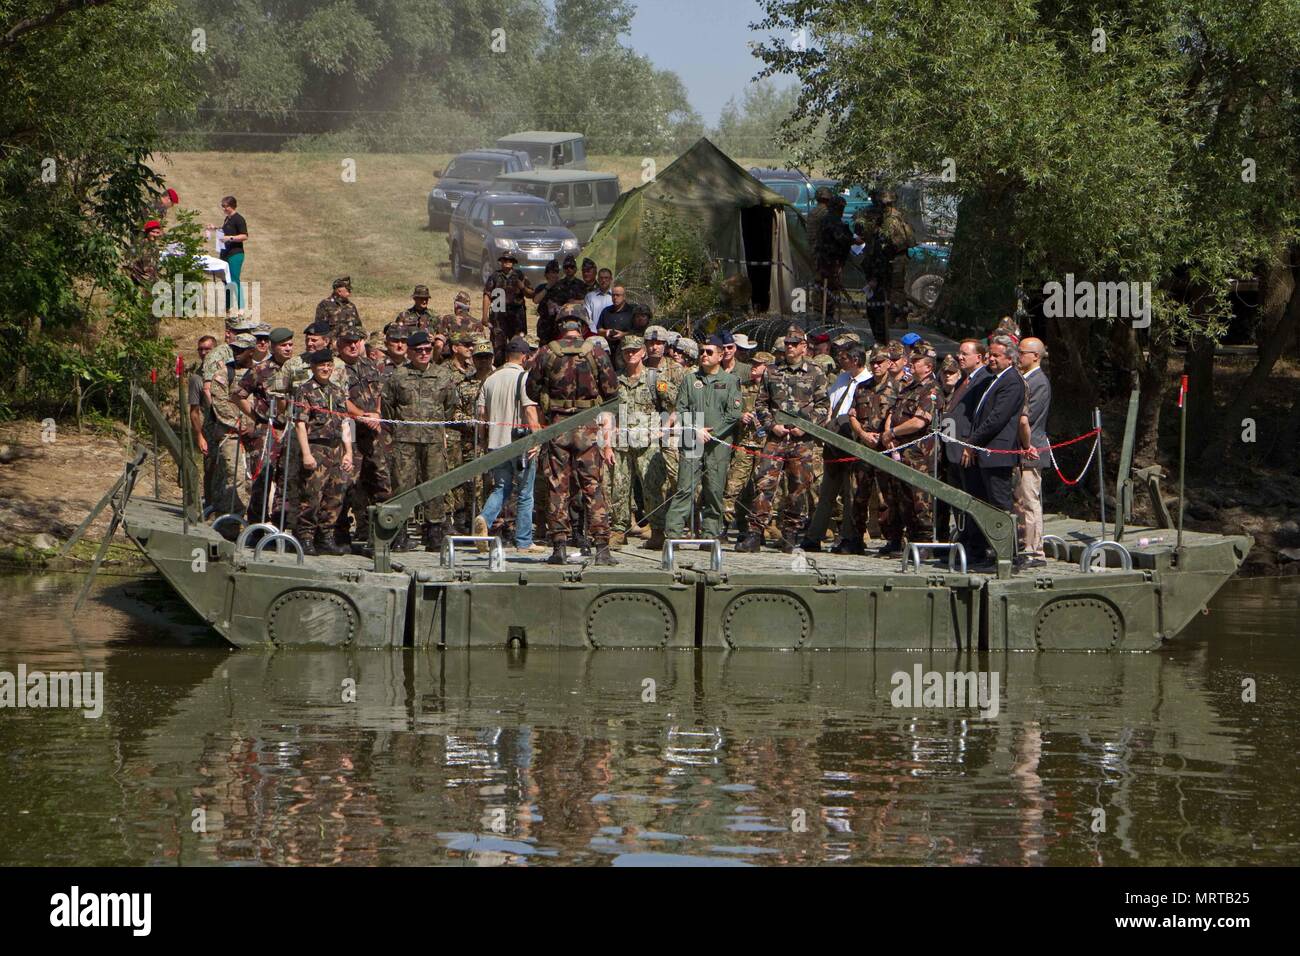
x: 326, y: 544
x: 655, y: 542
x: 752, y: 543
x: 617, y: 539
x: 603, y: 556
x: 849, y: 546
x: 433, y: 540
x: 559, y: 554
x: 308, y: 548
x: 788, y: 544
x: 402, y: 542
x: 810, y: 545
x: 639, y: 531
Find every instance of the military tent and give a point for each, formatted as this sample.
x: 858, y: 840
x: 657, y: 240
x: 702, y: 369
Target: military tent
x: 751, y: 230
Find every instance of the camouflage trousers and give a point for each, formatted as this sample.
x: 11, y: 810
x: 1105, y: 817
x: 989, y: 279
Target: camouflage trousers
x: 740, y: 486
x: 630, y: 471
x: 915, y: 509
x: 1027, y: 506
x: 466, y: 498
x: 660, y: 483
x: 371, y: 481
x: 228, y: 489
x: 792, y: 459
x: 417, y: 463
x: 575, y: 457
x: 871, y: 490
x: 321, y: 491
x: 504, y: 327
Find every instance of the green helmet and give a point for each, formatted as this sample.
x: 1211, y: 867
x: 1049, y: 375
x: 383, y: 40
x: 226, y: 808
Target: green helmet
x: 823, y: 192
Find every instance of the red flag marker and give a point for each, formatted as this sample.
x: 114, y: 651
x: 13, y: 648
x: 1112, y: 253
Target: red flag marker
x: 1182, y: 391
x: 180, y: 365
x: 153, y: 375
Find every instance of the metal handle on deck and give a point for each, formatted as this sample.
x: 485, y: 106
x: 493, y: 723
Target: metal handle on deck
x: 242, y: 540
x: 278, y: 536
x: 715, y: 555
x: 496, y: 560
x: 228, y: 517
x: 1097, y: 547
x: 1059, y: 546
x: 956, y: 552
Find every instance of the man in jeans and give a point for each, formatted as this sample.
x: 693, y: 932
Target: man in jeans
x: 503, y: 402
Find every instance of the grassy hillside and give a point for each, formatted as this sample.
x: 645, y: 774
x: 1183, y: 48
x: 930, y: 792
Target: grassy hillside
x: 306, y: 226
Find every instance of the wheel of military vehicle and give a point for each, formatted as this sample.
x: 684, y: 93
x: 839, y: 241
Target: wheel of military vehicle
x: 457, y: 266
x: 926, y: 289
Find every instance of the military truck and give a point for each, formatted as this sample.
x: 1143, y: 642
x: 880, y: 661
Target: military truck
x: 549, y: 150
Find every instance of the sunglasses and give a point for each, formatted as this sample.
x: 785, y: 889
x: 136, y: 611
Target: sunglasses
x: 422, y: 348
x: 708, y: 350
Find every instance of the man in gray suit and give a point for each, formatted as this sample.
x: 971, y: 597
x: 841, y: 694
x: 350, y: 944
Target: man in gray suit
x: 1028, y: 490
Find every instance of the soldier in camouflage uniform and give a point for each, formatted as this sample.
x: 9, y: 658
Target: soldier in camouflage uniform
x: 911, y: 417
x: 297, y: 372
x: 229, y: 429
x: 895, y: 239
x: 326, y: 456
x: 749, y: 442
x: 666, y: 376
x: 460, y: 320
x: 872, y: 403
x: 637, y: 416
x: 420, y: 391
x: 560, y: 293
x: 369, y: 481
x: 253, y: 394
x: 417, y: 316
x: 569, y: 377
x: 799, y: 388
x: 220, y: 356
x: 505, y: 298
x: 339, y: 310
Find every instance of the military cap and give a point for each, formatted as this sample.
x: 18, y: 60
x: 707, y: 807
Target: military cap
x: 263, y: 329
x: 420, y: 292
x: 342, y: 282
x: 823, y: 192
x: 588, y: 262
x: 848, y: 338
x: 687, y: 346
x: 879, y: 354
x: 317, y: 328
x: 921, y: 347
x: 599, y: 342
x: 656, y: 333
x: 764, y: 358
x: 821, y: 337
x: 319, y: 357
x: 826, y: 361
x: 570, y: 324
x: 241, y: 324
x: 632, y: 342
x: 352, y: 333
x: 395, y: 332
x: 570, y: 261
x: 532, y: 340
x: 895, y: 351
x: 793, y: 336
x: 243, y: 341
x: 281, y: 335
x: 462, y: 297
x: 640, y: 308
x: 376, y: 340
x: 744, y: 342
x: 418, y: 337
x: 483, y: 346
x: 518, y: 345
x: 930, y: 354
x: 950, y: 364
x: 724, y: 337
x: 508, y: 255
x: 464, y: 338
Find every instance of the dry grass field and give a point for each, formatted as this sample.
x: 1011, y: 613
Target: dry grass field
x: 307, y: 225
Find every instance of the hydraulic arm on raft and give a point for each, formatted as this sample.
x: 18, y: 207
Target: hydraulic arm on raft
x: 998, y: 526
x: 387, y: 518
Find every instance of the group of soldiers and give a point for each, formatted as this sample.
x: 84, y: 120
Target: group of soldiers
x: 691, y: 444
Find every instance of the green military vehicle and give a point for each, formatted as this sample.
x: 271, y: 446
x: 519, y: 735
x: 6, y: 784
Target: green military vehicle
x: 548, y: 149
x: 583, y: 199
x: 1107, y: 586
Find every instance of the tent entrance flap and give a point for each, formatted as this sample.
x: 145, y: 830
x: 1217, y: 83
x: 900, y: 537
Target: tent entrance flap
x: 756, y: 231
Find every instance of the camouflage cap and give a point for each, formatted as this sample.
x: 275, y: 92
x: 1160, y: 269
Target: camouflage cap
x: 462, y: 298
x: 930, y: 354
x: 483, y: 346
x: 847, y: 338
x: 764, y: 358
x: 921, y: 346
x: 687, y: 346
x: 343, y: 282
x: 239, y: 323
x: 657, y: 333
x: 243, y: 341
x: 895, y: 351
x: 264, y: 329
x: 376, y: 340
x: 632, y: 342
x: 396, y: 332
x: 949, y: 364
x: 599, y: 342
x: 463, y: 338
x: 879, y: 354
x: 825, y: 361
x: 352, y: 333
x: 420, y: 292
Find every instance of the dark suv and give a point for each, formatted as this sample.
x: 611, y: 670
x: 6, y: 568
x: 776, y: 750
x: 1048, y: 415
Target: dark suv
x: 470, y: 173
x: 490, y: 223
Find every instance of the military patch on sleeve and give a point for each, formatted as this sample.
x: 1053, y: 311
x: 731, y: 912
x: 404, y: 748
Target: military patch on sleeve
x: 661, y: 386
x: 737, y: 403
x: 698, y: 383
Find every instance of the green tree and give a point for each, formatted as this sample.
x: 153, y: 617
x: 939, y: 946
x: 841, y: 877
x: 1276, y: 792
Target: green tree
x: 753, y: 126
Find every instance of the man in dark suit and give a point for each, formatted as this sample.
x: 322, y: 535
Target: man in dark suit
x: 996, y: 422
x: 958, y: 410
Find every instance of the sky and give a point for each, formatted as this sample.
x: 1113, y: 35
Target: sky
x: 705, y: 42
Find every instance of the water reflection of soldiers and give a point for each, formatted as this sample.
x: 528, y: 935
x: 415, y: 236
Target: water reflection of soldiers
x: 571, y: 376
x: 799, y: 388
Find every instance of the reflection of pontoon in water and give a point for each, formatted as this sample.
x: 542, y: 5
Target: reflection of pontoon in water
x: 1099, y: 591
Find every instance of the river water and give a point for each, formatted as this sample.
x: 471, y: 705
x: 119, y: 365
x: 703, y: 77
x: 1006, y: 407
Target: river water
x: 206, y: 755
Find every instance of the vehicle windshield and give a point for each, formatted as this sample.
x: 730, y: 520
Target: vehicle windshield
x: 511, y: 186
x: 786, y: 188
x: 523, y: 214
x: 483, y: 170
x: 539, y: 153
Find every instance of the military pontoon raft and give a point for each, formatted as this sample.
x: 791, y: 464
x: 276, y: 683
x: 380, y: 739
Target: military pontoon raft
x: 1098, y: 592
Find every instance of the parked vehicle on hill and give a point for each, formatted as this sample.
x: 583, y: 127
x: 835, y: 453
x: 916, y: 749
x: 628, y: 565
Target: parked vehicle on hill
x: 583, y: 199
x: 548, y: 149
x: 467, y: 174
x: 490, y: 223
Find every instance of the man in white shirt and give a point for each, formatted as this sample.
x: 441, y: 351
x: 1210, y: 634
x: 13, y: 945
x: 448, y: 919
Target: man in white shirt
x: 837, y: 477
x: 599, y: 299
x: 503, y: 402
